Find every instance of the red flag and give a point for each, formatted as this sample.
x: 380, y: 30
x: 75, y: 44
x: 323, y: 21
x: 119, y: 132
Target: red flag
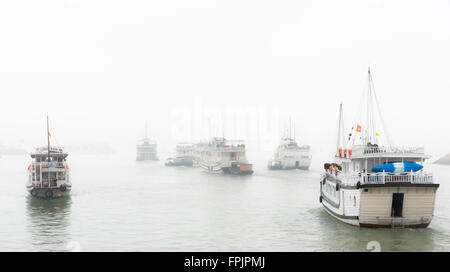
x: 358, y: 128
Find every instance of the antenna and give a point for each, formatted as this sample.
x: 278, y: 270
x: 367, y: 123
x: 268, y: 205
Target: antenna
x: 339, y: 129
x: 48, y: 139
x: 146, y: 134
x: 223, y: 126
x: 294, y: 129
x: 290, y: 128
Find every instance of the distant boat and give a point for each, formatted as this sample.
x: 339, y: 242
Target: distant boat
x: 49, y: 172
x: 223, y: 156
x: 373, y: 184
x: 289, y: 155
x: 146, y: 149
x: 184, y: 155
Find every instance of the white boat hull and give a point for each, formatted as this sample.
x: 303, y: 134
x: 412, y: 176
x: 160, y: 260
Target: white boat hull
x: 371, y: 206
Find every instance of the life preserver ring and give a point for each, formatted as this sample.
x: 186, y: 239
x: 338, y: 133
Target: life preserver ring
x: 34, y: 192
x: 49, y: 193
x: 63, y: 188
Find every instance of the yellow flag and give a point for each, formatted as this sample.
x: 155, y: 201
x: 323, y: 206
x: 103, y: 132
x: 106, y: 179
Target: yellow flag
x: 376, y: 134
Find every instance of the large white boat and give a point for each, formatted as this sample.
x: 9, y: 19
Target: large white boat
x: 223, y: 156
x: 184, y: 155
x: 289, y: 155
x: 146, y: 149
x: 372, y: 183
x: 49, y: 172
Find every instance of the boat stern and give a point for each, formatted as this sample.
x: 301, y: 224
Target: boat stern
x: 406, y: 205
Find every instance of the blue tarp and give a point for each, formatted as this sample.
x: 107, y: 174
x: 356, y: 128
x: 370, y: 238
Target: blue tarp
x: 398, y: 167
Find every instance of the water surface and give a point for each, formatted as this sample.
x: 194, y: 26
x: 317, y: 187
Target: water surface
x: 118, y: 204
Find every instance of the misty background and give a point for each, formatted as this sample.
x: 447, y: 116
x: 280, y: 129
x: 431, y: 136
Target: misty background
x: 202, y: 68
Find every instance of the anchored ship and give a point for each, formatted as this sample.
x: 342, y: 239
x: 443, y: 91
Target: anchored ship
x: 289, y: 155
x: 49, y: 172
x: 372, y: 183
x: 223, y: 156
x: 184, y: 155
x: 146, y: 149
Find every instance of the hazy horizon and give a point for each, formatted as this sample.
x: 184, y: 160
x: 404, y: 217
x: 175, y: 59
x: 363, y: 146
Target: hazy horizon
x: 102, y: 69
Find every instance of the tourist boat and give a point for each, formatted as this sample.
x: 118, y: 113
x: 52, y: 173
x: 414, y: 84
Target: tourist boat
x: 372, y: 183
x: 146, y: 149
x: 289, y: 155
x: 184, y: 155
x: 49, y: 172
x: 223, y: 156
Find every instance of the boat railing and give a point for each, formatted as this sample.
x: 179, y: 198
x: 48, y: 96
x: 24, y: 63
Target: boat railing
x: 52, y: 149
x: 384, y: 177
x: 376, y: 150
x: 45, y: 165
x: 44, y: 184
x: 412, y: 177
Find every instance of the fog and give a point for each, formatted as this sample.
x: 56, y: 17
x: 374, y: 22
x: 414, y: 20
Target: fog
x: 195, y: 69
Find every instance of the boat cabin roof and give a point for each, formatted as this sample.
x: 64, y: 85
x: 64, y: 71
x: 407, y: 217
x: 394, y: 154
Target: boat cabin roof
x: 146, y: 141
x: 55, y: 152
x: 52, y: 155
x: 382, y: 152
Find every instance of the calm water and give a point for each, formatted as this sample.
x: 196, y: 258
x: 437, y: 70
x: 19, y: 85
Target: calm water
x: 118, y: 204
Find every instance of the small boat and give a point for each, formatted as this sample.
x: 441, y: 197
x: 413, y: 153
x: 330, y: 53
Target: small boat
x: 184, y: 155
x: 289, y: 155
x: 49, y: 172
x: 146, y: 149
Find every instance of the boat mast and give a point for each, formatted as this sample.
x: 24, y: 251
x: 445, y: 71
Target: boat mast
x: 290, y: 128
x: 370, y: 135
x: 48, y: 139
x: 146, y: 134
x: 294, y: 130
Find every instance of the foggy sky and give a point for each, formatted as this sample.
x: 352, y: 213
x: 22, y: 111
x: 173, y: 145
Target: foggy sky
x: 101, y: 69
